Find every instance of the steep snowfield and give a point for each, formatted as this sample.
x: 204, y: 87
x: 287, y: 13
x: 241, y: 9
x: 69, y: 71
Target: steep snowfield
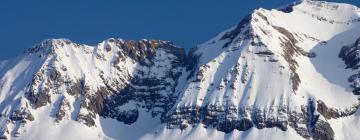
x: 348, y: 127
x: 199, y: 132
x: 276, y: 75
x: 107, y: 128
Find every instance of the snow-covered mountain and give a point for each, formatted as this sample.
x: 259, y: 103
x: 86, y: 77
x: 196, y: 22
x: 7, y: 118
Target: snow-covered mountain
x: 287, y: 73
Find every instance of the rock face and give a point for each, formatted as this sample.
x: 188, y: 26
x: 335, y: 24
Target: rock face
x: 152, y: 87
x: 310, y: 122
x: 266, y: 72
x: 350, y: 55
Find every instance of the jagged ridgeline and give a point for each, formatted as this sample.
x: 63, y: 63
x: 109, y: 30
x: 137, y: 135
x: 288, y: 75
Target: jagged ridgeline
x: 112, y: 80
x: 287, y: 73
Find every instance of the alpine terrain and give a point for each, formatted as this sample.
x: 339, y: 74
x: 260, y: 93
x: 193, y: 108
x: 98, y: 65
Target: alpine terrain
x: 287, y: 73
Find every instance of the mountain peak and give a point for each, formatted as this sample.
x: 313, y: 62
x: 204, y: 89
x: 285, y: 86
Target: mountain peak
x: 317, y: 5
x: 49, y: 45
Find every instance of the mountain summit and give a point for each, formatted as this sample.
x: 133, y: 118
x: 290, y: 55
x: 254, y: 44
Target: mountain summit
x: 287, y: 73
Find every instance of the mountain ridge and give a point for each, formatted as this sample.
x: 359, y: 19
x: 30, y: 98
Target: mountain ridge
x: 265, y: 73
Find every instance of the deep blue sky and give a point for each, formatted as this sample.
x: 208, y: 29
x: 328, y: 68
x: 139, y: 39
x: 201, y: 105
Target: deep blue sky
x: 185, y: 22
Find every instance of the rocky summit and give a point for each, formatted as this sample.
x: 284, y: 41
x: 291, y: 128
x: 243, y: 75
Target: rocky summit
x: 286, y: 73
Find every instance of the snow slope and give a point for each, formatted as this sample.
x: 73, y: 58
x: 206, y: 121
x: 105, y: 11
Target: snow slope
x: 274, y: 63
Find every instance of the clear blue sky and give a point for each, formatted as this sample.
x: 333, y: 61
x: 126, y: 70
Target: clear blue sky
x: 185, y: 22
